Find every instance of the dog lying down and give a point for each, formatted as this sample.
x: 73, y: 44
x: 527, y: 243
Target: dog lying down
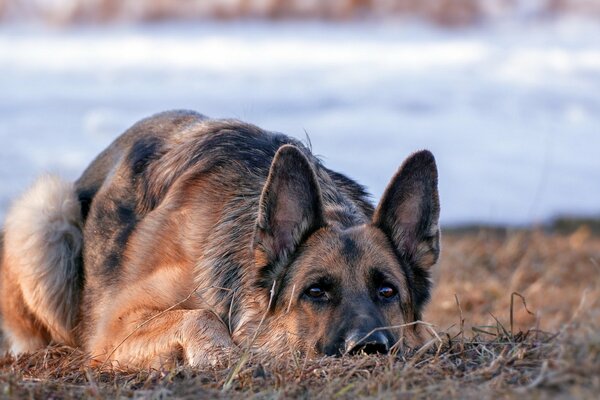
x: 190, y: 237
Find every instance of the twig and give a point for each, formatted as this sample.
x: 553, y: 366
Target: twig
x: 479, y: 330
x: 462, y: 319
x: 499, y: 325
x: 236, y: 370
x: 146, y: 322
x: 512, y: 306
x: 291, y: 298
x: 231, y: 311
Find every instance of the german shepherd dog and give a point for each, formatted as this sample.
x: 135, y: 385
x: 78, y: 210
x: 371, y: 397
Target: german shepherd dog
x: 188, y: 238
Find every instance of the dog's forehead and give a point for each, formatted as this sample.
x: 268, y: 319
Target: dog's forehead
x: 347, y: 251
x: 365, y: 246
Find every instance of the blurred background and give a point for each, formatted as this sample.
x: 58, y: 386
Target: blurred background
x: 506, y: 93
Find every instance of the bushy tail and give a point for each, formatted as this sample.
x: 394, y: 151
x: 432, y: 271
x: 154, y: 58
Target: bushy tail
x: 43, y: 243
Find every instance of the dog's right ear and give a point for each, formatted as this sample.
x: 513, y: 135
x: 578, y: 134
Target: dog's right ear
x: 290, y: 209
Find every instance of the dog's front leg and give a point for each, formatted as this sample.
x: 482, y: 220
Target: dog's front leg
x: 205, y: 339
x: 143, y: 339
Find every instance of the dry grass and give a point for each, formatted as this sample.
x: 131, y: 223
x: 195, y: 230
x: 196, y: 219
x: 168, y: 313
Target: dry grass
x: 478, y: 352
x: 441, y: 12
x: 553, y: 272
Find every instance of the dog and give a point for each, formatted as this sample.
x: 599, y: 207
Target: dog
x: 188, y: 238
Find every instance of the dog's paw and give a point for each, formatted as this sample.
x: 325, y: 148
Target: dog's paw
x: 206, y: 341
x: 212, y: 357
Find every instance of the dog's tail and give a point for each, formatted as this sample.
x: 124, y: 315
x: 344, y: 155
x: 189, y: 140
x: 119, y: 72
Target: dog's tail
x: 43, y: 243
x: 1, y: 250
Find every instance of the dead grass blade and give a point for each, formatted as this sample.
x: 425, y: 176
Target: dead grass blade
x: 246, y: 354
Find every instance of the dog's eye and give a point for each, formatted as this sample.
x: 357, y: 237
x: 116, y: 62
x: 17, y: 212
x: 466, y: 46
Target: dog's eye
x: 387, y: 292
x: 315, y: 292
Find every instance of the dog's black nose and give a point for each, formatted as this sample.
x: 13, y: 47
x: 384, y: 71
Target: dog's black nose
x: 358, y: 342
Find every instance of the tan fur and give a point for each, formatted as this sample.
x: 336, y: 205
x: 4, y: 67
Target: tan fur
x: 41, y: 260
x: 163, y: 316
x: 294, y: 321
x: 22, y: 330
x: 182, y: 260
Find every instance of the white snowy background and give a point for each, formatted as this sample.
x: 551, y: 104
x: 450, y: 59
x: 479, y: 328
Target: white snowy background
x: 511, y: 111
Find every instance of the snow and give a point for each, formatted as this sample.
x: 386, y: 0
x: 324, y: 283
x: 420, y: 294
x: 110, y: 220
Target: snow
x: 511, y: 112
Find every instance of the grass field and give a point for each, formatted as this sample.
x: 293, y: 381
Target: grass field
x: 443, y: 12
x: 514, y: 314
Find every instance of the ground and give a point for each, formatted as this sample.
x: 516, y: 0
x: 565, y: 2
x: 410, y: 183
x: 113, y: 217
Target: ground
x: 548, y: 281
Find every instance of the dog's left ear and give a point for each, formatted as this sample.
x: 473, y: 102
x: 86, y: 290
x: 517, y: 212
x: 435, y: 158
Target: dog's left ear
x: 409, y: 211
x: 290, y: 209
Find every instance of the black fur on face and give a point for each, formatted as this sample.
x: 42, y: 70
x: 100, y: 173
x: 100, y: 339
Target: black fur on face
x: 341, y: 282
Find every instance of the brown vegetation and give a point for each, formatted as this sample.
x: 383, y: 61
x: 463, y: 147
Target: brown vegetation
x: 555, y: 273
x: 477, y: 351
x: 443, y: 12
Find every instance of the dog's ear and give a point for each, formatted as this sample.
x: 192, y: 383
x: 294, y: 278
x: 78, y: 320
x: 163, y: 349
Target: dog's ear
x: 409, y: 212
x: 290, y: 209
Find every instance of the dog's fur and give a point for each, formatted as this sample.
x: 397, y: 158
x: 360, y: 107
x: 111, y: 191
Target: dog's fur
x: 186, y: 233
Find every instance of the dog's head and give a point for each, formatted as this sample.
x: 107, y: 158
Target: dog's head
x: 335, y: 290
